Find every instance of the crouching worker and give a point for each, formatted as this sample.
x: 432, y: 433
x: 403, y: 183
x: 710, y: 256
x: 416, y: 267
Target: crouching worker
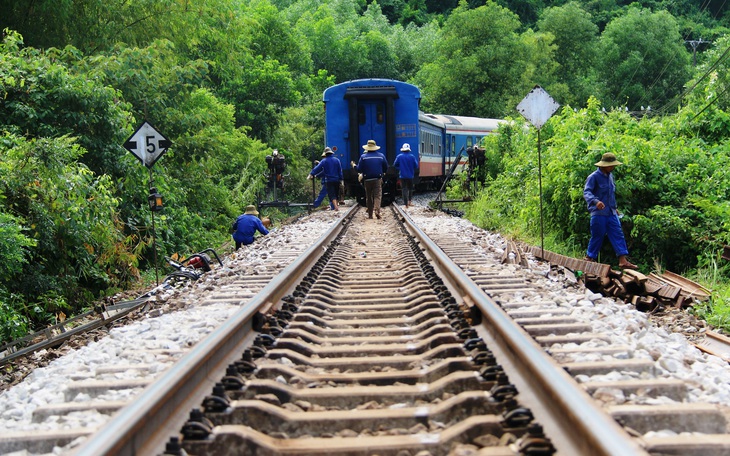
x: 246, y: 226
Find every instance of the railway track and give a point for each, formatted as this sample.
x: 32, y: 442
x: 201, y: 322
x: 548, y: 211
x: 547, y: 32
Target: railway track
x: 374, y: 353
x: 383, y: 345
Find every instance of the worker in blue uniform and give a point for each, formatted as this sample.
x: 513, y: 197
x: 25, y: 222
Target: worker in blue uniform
x: 331, y: 167
x: 323, y: 191
x: 600, y: 195
x: 372, y: 165
x: 246, y: 225
x: 407, y: 165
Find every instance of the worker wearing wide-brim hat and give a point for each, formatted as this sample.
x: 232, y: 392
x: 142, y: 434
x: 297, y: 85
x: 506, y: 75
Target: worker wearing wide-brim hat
x: 331, y: 170
x: 600, y: 195
x: 246, y: 225
x: 372, y: 165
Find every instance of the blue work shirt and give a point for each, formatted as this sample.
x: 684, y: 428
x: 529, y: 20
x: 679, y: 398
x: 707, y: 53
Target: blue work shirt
x: 600, y: 187
x: 407, y: 164
x: 331, y: 169
x: 372, y: 165
x: 245, y: 227
x: 319, y: 174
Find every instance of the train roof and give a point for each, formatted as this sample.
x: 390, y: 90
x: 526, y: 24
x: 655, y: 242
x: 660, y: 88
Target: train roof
x: 374, y: 87
x: 430, y: 119
x: 466, y: 123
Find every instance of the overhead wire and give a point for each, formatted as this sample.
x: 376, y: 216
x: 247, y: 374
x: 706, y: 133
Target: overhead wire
x: 709, y: 104
x: 687, y: 91
x: 704, y: 6
x: 676, y: 100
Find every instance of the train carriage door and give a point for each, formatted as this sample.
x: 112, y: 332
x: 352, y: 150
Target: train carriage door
x: 371, y: 118
x: 445, y: 158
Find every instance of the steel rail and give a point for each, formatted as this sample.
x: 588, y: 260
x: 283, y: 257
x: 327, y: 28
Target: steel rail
x: 572, y: 412
x: 120, y: 310
x: 143, y: 426
x: 715, y: 344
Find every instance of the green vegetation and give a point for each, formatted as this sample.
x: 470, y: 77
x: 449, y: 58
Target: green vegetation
x: 227, y: 82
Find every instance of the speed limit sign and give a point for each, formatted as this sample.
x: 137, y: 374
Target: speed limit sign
x: 147, y: 144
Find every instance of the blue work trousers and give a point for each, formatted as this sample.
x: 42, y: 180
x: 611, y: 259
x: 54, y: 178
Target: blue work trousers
x: 321, y: 197
x: 602, y: 226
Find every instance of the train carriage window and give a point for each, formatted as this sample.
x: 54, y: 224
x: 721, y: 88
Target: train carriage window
x: 453, y: 145
x: 469, y: 141
x: 361, y: 115
x: 380, y: 114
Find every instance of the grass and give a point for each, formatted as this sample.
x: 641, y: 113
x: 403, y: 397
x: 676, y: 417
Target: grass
x: 716, y: 311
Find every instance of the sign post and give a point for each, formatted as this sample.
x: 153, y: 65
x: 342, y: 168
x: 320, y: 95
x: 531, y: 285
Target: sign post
x: 148, y: 145
x: 537, y: 107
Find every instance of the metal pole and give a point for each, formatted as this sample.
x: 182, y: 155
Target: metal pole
x: 539, y: 178
x: 154, y: 236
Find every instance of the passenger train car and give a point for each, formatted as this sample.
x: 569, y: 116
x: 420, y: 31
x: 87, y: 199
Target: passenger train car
x: 388, y: 112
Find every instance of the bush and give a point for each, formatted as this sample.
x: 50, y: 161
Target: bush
x: 13, y: 324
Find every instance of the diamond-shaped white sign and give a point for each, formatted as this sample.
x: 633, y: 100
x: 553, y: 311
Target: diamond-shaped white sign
x: 147, y: 144
x: 537, y: 107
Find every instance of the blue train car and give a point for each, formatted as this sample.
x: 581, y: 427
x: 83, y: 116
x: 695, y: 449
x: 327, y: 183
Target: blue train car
x: 380, y: 109
x: 388, y: 112
x: 461, y: 133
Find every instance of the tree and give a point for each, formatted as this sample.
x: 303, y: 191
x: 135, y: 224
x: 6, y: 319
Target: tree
x: 527, y: 10
x: 391, y: 9
x: 97, y: 25
x: 441, y: 6
x: 78, y: 248
x: 334, y: 40
x: 43, y: 98
x: 415, y: 46
x: 266, y: 32
x: 246, y: 66
x: 414, y: 12
x: 643, y: 59
x: 576, y: 39
x: 210, y: 155
x: 483, y: 64
x: 706, y: 106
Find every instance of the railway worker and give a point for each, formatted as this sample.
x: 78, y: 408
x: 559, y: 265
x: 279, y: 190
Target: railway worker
x: 331, y: 168
x: 372, y: 166
x: 246, y: 225
x: 407, y: 165
x: 323, y: 191
x: 600, y: 195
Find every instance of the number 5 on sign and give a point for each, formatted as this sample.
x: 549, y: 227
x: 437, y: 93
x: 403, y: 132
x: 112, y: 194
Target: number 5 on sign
x: 147, y: 144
